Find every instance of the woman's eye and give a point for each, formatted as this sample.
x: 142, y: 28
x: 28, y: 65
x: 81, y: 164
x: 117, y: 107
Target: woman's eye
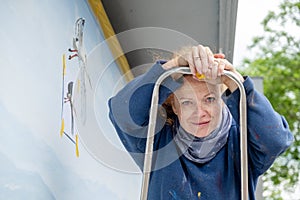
x: 186, y: 103
x: 210, y: 99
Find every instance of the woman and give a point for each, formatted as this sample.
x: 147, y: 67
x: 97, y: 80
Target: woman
x: 196, y: 144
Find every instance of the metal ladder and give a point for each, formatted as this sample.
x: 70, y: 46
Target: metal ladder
x: 152, y: 124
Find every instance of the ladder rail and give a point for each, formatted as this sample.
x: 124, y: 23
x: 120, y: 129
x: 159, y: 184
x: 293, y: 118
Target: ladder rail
x: 152, y: 123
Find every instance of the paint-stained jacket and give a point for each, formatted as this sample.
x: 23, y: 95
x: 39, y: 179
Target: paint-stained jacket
x: 176, y: 177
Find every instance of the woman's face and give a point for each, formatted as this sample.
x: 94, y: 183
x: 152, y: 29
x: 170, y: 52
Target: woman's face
x: 198, y: 105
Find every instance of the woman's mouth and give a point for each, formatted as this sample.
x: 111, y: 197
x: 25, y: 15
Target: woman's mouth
x: 200, y: 123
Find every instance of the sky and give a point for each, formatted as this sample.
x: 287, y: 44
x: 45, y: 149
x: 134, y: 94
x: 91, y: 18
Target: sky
x: 35, y: 162
x: 248, y: 25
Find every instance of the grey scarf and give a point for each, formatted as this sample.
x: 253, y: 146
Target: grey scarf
x: 202, y: 150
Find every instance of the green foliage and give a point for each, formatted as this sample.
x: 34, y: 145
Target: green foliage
x: 277, y: 60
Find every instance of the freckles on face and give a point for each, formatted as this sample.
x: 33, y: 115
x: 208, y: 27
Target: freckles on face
x: 198, y: 105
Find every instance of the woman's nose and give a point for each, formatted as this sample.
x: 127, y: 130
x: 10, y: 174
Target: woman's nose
x: 200, y: 109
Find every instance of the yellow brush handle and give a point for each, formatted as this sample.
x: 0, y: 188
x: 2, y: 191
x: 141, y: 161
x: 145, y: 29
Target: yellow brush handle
x: 200, y: 76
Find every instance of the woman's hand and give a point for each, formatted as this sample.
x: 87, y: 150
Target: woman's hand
x: 198, y: 58
x: 223, y: 64
x: 201, y: 60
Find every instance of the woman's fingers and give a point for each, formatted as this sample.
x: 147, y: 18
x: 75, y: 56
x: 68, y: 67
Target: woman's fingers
x: 197, y: 60
x: 218, y: 67
x: 202, y: 61
x: 202, y: 58
x: 190, y: 59
x: 214, y: 70
x: 219, y: 55
x: 210, y: 57
x: 221, y: 67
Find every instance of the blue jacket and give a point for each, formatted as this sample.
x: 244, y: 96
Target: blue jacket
x: 176, y: 177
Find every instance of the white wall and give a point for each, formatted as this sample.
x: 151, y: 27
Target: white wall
x: 35, y: 162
